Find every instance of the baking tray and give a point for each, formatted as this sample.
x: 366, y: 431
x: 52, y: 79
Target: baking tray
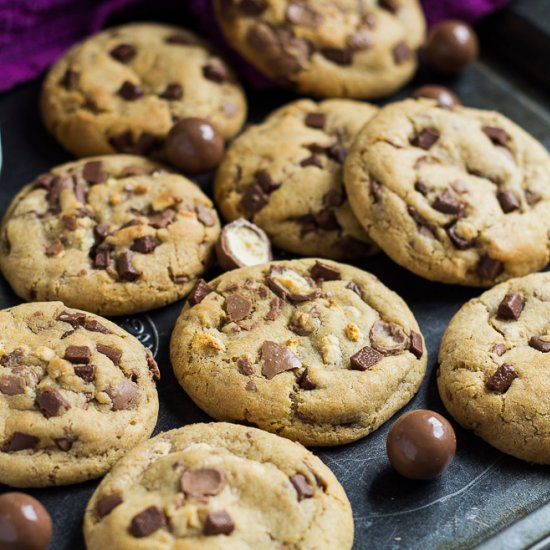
x: 485, y: 498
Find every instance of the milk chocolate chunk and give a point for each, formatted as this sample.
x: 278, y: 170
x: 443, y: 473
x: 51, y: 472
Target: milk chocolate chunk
x: 416, y: 345
x: 199, y: 292
x: 425, y: 139
x: 338, y: 153
x: 54, y: 192
x: 95, y: 326
x: 161, y: 220
x: 447, y: 202
x: 86, y: 372
x: 123, y: 395
x: 315, y: 120
x: 325, y: 271
x: 500, y: 349
x: 277, y: 359
x: 145, y: 244
x: 354, y: 288
x: 488, y: 268
x: 78, y: 354
x: 125, y: 268
x: 101, y: 230
x: 244, y: 366
x: 20, y: 441
x: 55, y: 248
x: 508, y: 201
x: 70, y: 79
x: 445, y: 98
x: 215, y: 73
x: 299, y: 13
x: 201, y: 483
x: 124, y: 53
x: 532, y: 198
x: 338, y: 56
x: 51, y: 402
x: 458, y: 241
x: 130, y: 91
x: 218, y: 523
x: 12, y: 384
x: 107, y: 504
x: 172, y: 92
x: 401, y: 53
x: 305, y: 382
x: 286, y: 282
x: 264, y: 180
x: 539, y: 344
x: 359, y: 40
x: 303, y: 488
x: 365, y: 358
x: 238, y: 307
x: 275, y: 308
x: 313, y: 160
x: 497, y: 135
x: 147, y: 522
x: 74, y: 319
x: 388, y: 338
x: 63, y: 444
x: 205, y: 215
x: 502, y: 379
x: 113, y: 354
x: 254, y: 199
x: 152, y: 364
x: 123, y: 142
x: 511, y: 306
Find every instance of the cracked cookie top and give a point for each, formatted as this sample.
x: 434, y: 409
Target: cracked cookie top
x: 455, y: 195
x: 76, y: 392
x: 112, y: 235
x: 328, y: 48
x: 313, y: 350
x: 494, y: 376
x: 122, y: 90
x: 286, y: 175
x: 219, y: 486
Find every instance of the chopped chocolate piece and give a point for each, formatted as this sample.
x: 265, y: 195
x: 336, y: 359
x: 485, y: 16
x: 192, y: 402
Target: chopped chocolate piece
x: 152, y: 364
x: 124, y: 395
x: 447, y: 203
x: 124, y: 53
x: 316, y: 120
x: 251, y: 386
x: 12, y: 384
x: 86, y: 372
x: 20, y: 441
x: 359, y: 40
x: 275, y: 308
x: 388, y: 338
x: 215, y: 73
x: 333, y: 197
x: 74, y: 319
x: 338, y: 153
x: 172, y: 92
x: 12, y: 359
x: 286, y: 282
x: 102, y: 258
x: 511, y: 306
x: 508, y: 201
x: 497, y: 135
x: 101, y: 230
x: 313, y: 160
x: 238, y: 307
x: 200, y: 483
x: 425, y: 139
x: 338, y: 56
x: 499, y: 349
x: 539, y: 344
x: 390, y: 5
x: 421, y: 188
x: 113, y: 354
x: 107, y: 504
x: 58, y: 185
x: 303, y: 15
x: 63, y: 444
x: 365, y: 358
x: 252, y: 7
x: 51, y: 402
x: 426, y: 232
x: 43, y: 181
x: 125, y: 268
x: 218, y: 522
x: 93, y: 172
x: 305, y: 382
x: 55, y: 248
x: 263, y: 179
x: 145, y: 143
x: 244, y: 366
x: 277, y: 359
x: 95, y: 326
x: 401, y: 53
x: 84, y: 212
x: 303, y: 488
x: 488, y: 268
x: 199, y: 292
x: 502, y: 379
x: 532, y: 198
x: 70, y: 222
x: 326, y: 219
x: 458, y: 241
x: 354, y: 288
x: 254, y: 199
x: 147, y: 522
x: 78, y: 354
x: 163, y: 219
x: 375, y: 190
x: 130, y: 91
x: 123, y: 142
x: 205, y: 215
x: 145, y: 245
x: 69, y: 80
x: 416, y: 346
x: 325, y: 271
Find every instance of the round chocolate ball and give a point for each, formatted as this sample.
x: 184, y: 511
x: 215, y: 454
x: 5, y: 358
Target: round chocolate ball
x: 421, y: 444
x: 451, y: 45
x: 24, y: 523
x: 194, y: 146
x: 444, y: 97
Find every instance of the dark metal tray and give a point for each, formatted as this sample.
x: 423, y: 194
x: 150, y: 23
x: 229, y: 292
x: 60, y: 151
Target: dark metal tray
x: 485, y: 498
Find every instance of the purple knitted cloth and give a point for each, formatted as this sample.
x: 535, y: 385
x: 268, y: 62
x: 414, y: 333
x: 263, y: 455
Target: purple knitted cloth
x: 33, y: 33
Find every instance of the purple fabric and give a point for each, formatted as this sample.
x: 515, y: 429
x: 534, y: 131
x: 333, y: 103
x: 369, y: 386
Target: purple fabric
x: 466, y: 10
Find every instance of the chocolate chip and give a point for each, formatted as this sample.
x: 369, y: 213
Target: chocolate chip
x: 86, y: 372
x: 12, y: 384
x: 63, y: 444
x: 74, y: 319
x: 199, y: 292
x: 390, y: 5
x: 43, y: 181
x: 95, y: 326
x: 425, y: 139
x: 238, y: 307
x: 93, y: 172
x: 359, y: 40
x: 539, y: 344
x: 338, y: 56
x: 502, y: 379
x: 54, y: 192
x: 254, y: 199
x: 78, y: 354
x: 416, y: 346
x: 244, y: 366
x: 264, y: 180
x: 459, y: 242
x: 172, y: 92
x: 101, y: 230
x: 508, y: 201
x: 447, y: 202
x: 500, y: 349
x: 325, y: 271
x: 326, y: 219
x: 145, y: 245
x: 125, y: 268
x: 20, y: 441
x: 488, y: 268
x: 145, y: 143
x: 338, y: 153
x: 50, y: 402
x: 388, y: 338
x: 497, y: 135
x: 218, y: 523
x: 102, y: 258
x: 511, y: 306
x: 70, y: 79
x: 70, y: 222
x: 303, y: 488
x: 303, y: 15
x: 275, y: 308
x: 205, y: 215
x: 55, y: 248
x: 123, y: 142
x: 161, y: 220
x: 313, y: 160
x: 401, y: 53
x: 532, y: 198
x: 365, y: 358
x: 113, y: 354
x: 147, y: 522
x: 315, y: 120
x: 333, y: 197
x: 277, y: 359
x: 421, y: 188
x: 354, y: 288
x: 107, y: 504
x: 200, y: 483
x: 305, y: 382
x: 124, y: 395
x: 215, y: 73
x: 130, y: 91
x: 124, y: 53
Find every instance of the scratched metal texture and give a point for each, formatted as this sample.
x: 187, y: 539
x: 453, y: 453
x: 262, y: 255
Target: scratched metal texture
x: 481, y: 493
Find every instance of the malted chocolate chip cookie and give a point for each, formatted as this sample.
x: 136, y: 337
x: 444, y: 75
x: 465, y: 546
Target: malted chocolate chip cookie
x: 494, y: 374
x: 113, y: 235
x: 219, y: 486
x: 316, y: 351
x: 330, y: 48
x: 455, y: 195
x: 286, y: 175
x: 76, y: 393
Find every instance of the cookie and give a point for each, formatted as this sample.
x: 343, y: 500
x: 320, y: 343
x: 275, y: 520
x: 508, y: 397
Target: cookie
x: 328, y: 48
x: 313, y: 350
x: 123, y: 89
x: 286, y: 175
x: 219, y: 486
x: 76, y: 393
x: 494, y: 375
x: 111, y: 235
x: 454, y: 195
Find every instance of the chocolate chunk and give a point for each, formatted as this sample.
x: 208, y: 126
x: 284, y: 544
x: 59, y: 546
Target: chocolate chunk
x: 200, y: 483
x: 313, y: 160
x: 93, y: 172
x: 315, y: 120
x: 244, y: 366
x: 305, y: 382
x: 12, y: 359
x: 78, y: 354
x: 497, y: 135
x: 124, y: 53
x: 326, y: 219
x: 299, y: 13
x: 12, y: 384
x: 123, y: 142
x: 459, y: 242
x: 286, y: 282
x: 254, y: 199
x: 502, y: 379
x: 113, y: 354
x: 145, y: 245
x: 63, y: 444
x: 425, y: 139
x: 199, y: 292
x: 365, y: 358
x: 218, y: 523
x: 359, y: 40
x: 124, y: 395
x: 70, y: 222
x: 215, y: 73
x: 275, y: 308
x: 54, y: 192
x: 416, y: 346
x: 338, y: 56
x: 303, y: 488
x: 70, y: 79
x: 388, y: 338
x: 125, y: 268
x: 147, y: 522
x: 511, y: 306
x: 375, y: 190
x: 532, y: 198
x: 333, y: 197
x: 107, y: 504
x: 172, y: 92
x: 488, y: 268
x: 74, y: 319
x: 500, y: 349
x: 277, y: 359
x: 130, y: 91
x: 263, y: 179
x: 145, y: 143
x: 51, y: 402
x: 55, y: 248
x: 508, y: 201
x: 102, y: 258
x: 205, y: 215
x: 325, y: 271
x: 539, y: 344
x: 447, y: 203
x: 354, y: 288
x: 338, y: 153
x: 390, y: 5
x: 421, y: 188
x: 238, y: 307
x: 95, y: 326
x: 20, y: 441
x: 401, y: 53
x: 43, y: 181
x: 445, y: 98
x: 86, y: 372
x: 161, y: 220
x: 181, y: 38
x: 101, y: 230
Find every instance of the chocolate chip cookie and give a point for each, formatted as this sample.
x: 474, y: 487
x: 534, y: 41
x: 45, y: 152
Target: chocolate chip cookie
x: 494, y: 376
x: 112, y: 235
x: 76, y: 393
x: 328, y: 48
x: 123, y: 89
x: 286, y: 175
x: 316, y: 351
x: 455, y: 195
x: 219, y: 486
